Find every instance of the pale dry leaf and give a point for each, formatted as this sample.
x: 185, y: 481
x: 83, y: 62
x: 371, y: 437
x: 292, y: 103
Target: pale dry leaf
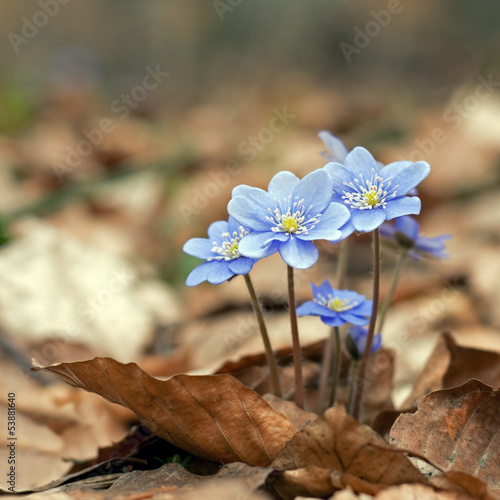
x: 70, y: 292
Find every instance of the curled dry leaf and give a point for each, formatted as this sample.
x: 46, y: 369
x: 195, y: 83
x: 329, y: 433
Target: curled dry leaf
x: 214, y: 417
x: 458, y: 430
x: 451, y: 364
x: 339, y: 442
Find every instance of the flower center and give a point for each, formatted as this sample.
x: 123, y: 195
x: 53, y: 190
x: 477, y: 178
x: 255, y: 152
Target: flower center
x: 292, y: 217
x: 228, y: 249
x: 336, y: 303
x: 366, y: 194
x: 290, y: 225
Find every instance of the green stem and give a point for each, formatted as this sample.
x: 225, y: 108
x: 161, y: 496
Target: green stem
x: 358, y: 397
x: 390, y: 294
x: 271, y: 361
x: 336, y: 366
x: 342, y: 264
x: 326, y: 368
x: 297, y: 356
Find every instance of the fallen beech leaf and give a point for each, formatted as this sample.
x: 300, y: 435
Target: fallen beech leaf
x: 214, y: 417
x: 296, y: 415
x: 456, y: 429
x: 338, y: 441
x: 467, y: 363
x: 451, y: 364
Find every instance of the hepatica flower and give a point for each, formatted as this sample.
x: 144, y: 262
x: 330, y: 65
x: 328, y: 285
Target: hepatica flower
x: 336, y: 307
x: 356, y: 341
x: 372, y: 195
x: 221, y: 253
x: 404, y: 233
x: 288, y: 217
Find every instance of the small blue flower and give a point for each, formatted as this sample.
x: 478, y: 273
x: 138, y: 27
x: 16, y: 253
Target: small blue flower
x: 220, y: 250
x: 404, y: 233
x: 359, y: 335
x: 336, y: 307
x: 289, y: 217
x: 372, y: 195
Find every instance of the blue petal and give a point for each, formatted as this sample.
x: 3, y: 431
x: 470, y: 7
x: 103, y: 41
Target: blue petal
x: 402, y: 206
x: 360, y: 161
x: 252, y: 245
x: 365, y: 309
x: 198, y: 274
x: 394, y: 168
x: 367, y: 220
x: 298, y: 254
x: 282, y: 185
x: 242, y: 265
x: 322, y: 291
x: 311, y: 308
x: 339, y: 175
x: 216, y: 229
x: 219, y: 272
x: 354, y: 318
x: 408, y: 226
x: 249, y: 213
x: 334, y: 217
x: 233, y: 225
x: 347, y: 229
x: 199, y: 247
x: 332, y: 321
x: 315, y: 189
x: 408, y: 177
x: 335, y: 146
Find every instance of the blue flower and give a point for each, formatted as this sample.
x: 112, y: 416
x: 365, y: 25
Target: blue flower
x: 372, y: 195
x: 289, y: 217
x: 359, y: 335
x: 221, y: 252
x: 404, y: 233
x: 336, y: 307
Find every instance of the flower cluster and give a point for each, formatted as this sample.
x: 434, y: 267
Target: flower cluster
x: 329, y: 204
x: 352, y: 192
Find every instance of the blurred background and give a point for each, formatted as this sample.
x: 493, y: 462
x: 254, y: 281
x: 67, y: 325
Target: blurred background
x: 124, y: 126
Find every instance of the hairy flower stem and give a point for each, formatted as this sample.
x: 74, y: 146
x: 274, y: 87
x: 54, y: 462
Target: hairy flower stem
x: 336, y: 366
x: 352, y: 385
x: 271, y: 361
x: 326, y: 368
x: 297, y: 356
x: 358, y: 397
x: 390, y: 294
x: 342, y: 264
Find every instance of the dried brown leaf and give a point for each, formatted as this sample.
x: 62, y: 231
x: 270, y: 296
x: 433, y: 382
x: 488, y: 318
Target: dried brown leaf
x: 338, y: 441
x: 451, y: 364
x: 214, y: 417
x: 456, y: 429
